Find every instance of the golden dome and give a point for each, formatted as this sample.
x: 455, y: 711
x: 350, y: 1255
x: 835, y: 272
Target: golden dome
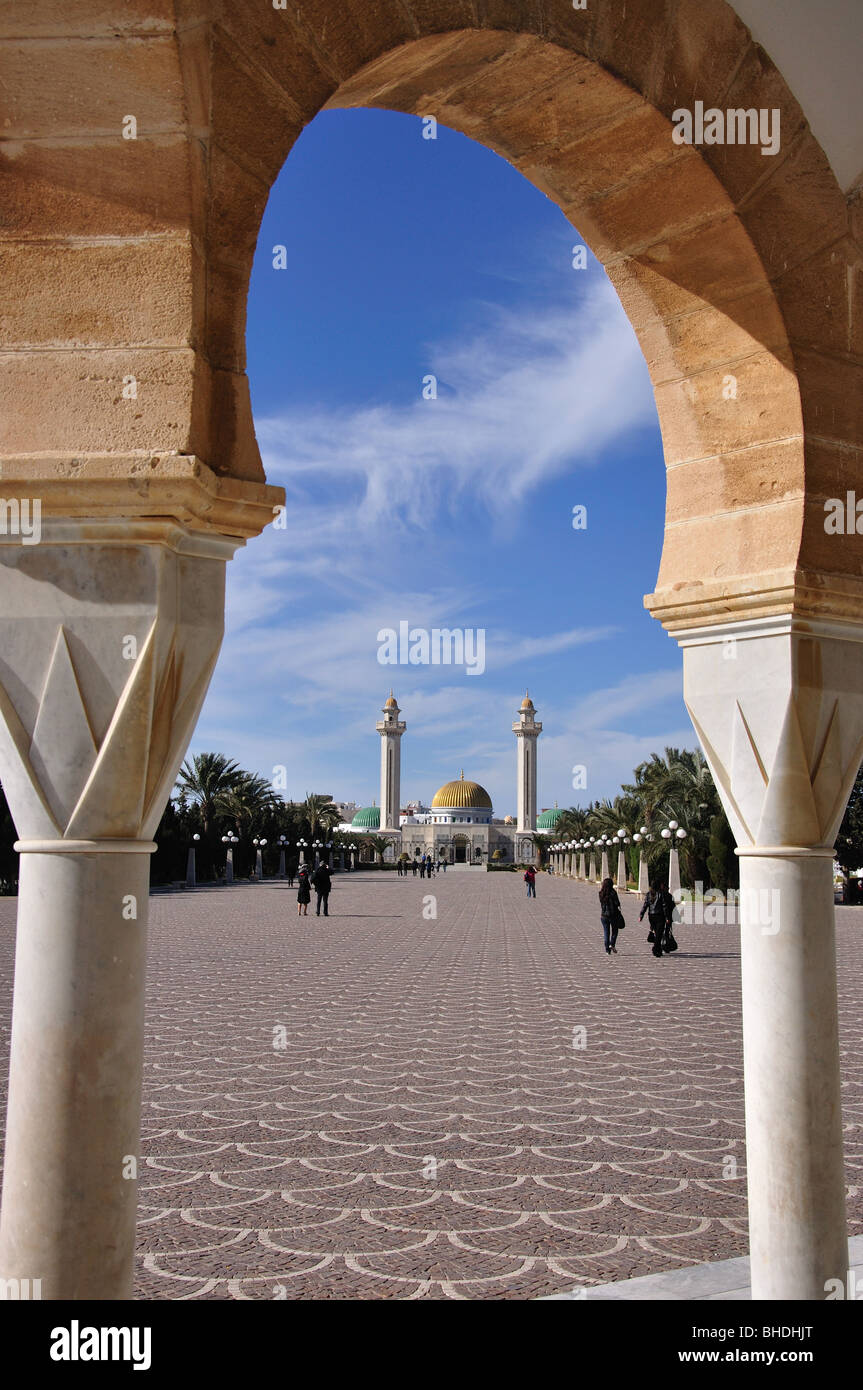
x: 527, y: 702
x: 461, y: 794
x: 391, y: 702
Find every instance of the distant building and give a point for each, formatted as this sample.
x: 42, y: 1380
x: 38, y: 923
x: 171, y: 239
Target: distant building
x: 459, y: 825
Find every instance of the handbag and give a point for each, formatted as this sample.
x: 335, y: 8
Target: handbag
x: 670, y: 943
x: 618, y: 921
x: 651, y: 936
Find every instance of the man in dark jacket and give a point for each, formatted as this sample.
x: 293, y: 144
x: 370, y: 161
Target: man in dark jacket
x: 323, y: 883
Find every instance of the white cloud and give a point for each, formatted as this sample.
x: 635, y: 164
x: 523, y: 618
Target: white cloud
x: 527, y: 396
x: 376, y: 498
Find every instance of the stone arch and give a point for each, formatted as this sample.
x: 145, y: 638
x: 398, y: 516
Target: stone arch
x: 715, y: 252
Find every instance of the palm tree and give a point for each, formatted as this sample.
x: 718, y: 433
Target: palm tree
x: 678, y: 787
x: 572, y: 824
x: 320, y: 813
x: 207, y: 781
x: 378, y: 843
x: 250, y: 802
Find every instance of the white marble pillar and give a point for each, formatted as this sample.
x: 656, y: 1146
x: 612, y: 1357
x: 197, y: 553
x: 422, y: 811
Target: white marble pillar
x: 778, y: 706
x: 73, y: 1118
x: 674, y: 872
x: 109, y: 633
x: 621, y: 871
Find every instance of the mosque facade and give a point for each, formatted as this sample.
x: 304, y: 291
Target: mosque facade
x: 459, y: 825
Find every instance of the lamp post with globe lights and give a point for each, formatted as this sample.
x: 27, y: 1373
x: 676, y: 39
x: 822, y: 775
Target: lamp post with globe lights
x: 641, y: 838
x: 605, y: 842
x: 259, y: 858
x: 302, y: 846
x: 190, y: 863
x: 621, y: 839
x: 230, y: 840
x: 673, y: 832
x: 283, y: 844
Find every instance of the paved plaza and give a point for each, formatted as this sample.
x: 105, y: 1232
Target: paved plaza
x: 385, y: 1104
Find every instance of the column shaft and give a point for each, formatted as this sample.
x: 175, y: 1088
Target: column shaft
x: 68, y: 1215
x: 795, y: 1168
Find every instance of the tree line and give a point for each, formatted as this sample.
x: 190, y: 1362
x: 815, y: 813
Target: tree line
x: 213, y: 796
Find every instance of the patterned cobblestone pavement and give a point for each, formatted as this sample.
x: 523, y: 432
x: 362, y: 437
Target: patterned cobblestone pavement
x: 481, y: 1105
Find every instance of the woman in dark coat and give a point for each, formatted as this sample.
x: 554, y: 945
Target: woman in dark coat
x: 304, y: 893
x: 659, y: 906
x: 609, y: 905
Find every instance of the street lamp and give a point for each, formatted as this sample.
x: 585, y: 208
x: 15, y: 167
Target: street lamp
x: 230, y: 840
x: 259, y: 858
x: 641, y: 837
x: 283, y: 844
x: 302, y: 846
x: 672, y: 833
x: 190, y: 863
x: 621, y: 839
x: 605, y: 842
x: 316, y: 847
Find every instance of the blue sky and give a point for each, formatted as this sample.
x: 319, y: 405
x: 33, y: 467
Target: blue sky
x: 408, y: 257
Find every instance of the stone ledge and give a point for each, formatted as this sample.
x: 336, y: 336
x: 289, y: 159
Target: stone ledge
x: 804, y: 593
x: 129, y: 486
x: 722, y: 1281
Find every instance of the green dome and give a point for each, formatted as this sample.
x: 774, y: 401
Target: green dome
x: 548, y: 820
x: 369, y: 818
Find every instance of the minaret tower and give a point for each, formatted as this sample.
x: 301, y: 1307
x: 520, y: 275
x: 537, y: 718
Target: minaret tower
x: 527, y: 731
x: 390, y: 729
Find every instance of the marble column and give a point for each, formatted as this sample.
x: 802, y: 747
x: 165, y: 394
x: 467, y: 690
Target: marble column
x: 621, y: 871
x: 778, y: 706
x: 109, y: 633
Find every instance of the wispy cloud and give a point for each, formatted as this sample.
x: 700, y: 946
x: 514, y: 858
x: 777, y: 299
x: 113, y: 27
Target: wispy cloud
x: 376, y: 529
x: 530, y: 395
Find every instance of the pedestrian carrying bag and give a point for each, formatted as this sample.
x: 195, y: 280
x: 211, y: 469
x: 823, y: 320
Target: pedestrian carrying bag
x: 618, y: 920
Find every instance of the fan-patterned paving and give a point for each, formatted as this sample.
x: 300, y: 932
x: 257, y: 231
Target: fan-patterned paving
x: 385, y: 1104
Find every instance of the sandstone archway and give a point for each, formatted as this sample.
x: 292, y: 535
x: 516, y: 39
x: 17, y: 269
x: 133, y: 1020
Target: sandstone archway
x: 140, y: 143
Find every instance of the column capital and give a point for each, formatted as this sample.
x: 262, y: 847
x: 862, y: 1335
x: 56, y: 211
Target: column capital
x: 107, y: 647
x: 777, y: 703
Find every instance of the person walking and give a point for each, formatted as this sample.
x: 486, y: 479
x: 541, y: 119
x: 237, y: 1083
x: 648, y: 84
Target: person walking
x: 304, y: 892
x: 414, y: 867
x: 322, y: 885
x: 291, y: 873
x: 444, y: 863
x: 610, y: 915
x: 530, y: 880
x: 659, y: 906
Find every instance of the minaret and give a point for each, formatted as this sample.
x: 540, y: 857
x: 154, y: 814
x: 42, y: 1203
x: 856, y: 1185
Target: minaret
x: 390, y: 730
x: 527, y: 731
